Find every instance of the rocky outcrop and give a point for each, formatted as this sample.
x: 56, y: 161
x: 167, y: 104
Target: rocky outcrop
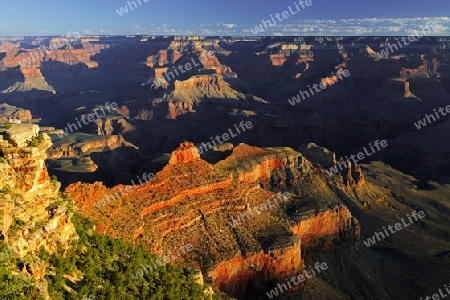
x: 237, y: 274
x: 331, y: 223
x: 192, y: 199
x: 178, y: 108
x: 31, y: 217
x: 211, y: 62
x: 318, y: 155
x: 204, y: 86
x: 18, y: 135
x: 30, y: 62
x: 352, y: 175
x: 90, y: 143
x: 278, y: 59
x: 185, y: 153
x: 9, y: 112
x: 34, y: 58
x: 116, y: 125
x: 277, y: 168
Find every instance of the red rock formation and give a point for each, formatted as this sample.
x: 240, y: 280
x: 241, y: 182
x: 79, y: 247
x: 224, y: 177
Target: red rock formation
x: 278, y: 59
x: 9, y: 47
x: 160, y: 71
x: 192, y: 200
x: 178, y: 108
x: 202, y: 87
x: 69, y: 56
x: 259, y: 166
x: 76, y: 56
x: 236, y: 275
x: 185, y: 153
x: 330, y: 222
x: 212, y: 62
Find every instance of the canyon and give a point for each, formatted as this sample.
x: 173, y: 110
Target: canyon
x: 158, y: 128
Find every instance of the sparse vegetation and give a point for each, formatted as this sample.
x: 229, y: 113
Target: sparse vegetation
x: 7, y: 125
x: 4, y: 161
x: 53, y: 180
x: 36, y: 141
x: 107, y: 266
x: 16, y: 226
x: 6, y: 190
x: 38, y: 226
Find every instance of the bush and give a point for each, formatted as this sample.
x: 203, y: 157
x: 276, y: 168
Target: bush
x: 35, y: 141
x: 7, y: 125
x: 4, y: 161
x: 105, y: 267
x: 13, y: 287
x: 108, y: 266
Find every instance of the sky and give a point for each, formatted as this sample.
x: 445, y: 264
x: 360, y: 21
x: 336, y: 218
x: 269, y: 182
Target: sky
x: 231, y: 17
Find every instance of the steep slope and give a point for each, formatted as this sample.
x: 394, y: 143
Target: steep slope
x: 42, y: 256
x: 32, y: 216
x: 245, y: 243
x: 209, y: 206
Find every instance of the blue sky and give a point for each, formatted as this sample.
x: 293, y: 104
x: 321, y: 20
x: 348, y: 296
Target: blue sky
x: 213, y: 17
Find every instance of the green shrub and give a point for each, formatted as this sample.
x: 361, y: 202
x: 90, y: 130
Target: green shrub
x: 105, y: 268
x: 7, y: 125
x: 4, y: 161
x: 6, y: 190
x: 108, y: 266
x: 36, y: 141
x: 44, y: 255
x: 16, y: 287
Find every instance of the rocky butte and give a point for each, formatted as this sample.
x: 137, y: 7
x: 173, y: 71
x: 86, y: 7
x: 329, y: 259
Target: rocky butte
x: 192, y: 201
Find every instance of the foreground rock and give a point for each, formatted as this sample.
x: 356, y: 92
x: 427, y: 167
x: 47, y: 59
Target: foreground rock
x: 31, y: 216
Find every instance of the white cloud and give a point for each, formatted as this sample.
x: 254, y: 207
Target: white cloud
x: 364, y: 26
x: 291, y: 26
x: 229, y: 25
